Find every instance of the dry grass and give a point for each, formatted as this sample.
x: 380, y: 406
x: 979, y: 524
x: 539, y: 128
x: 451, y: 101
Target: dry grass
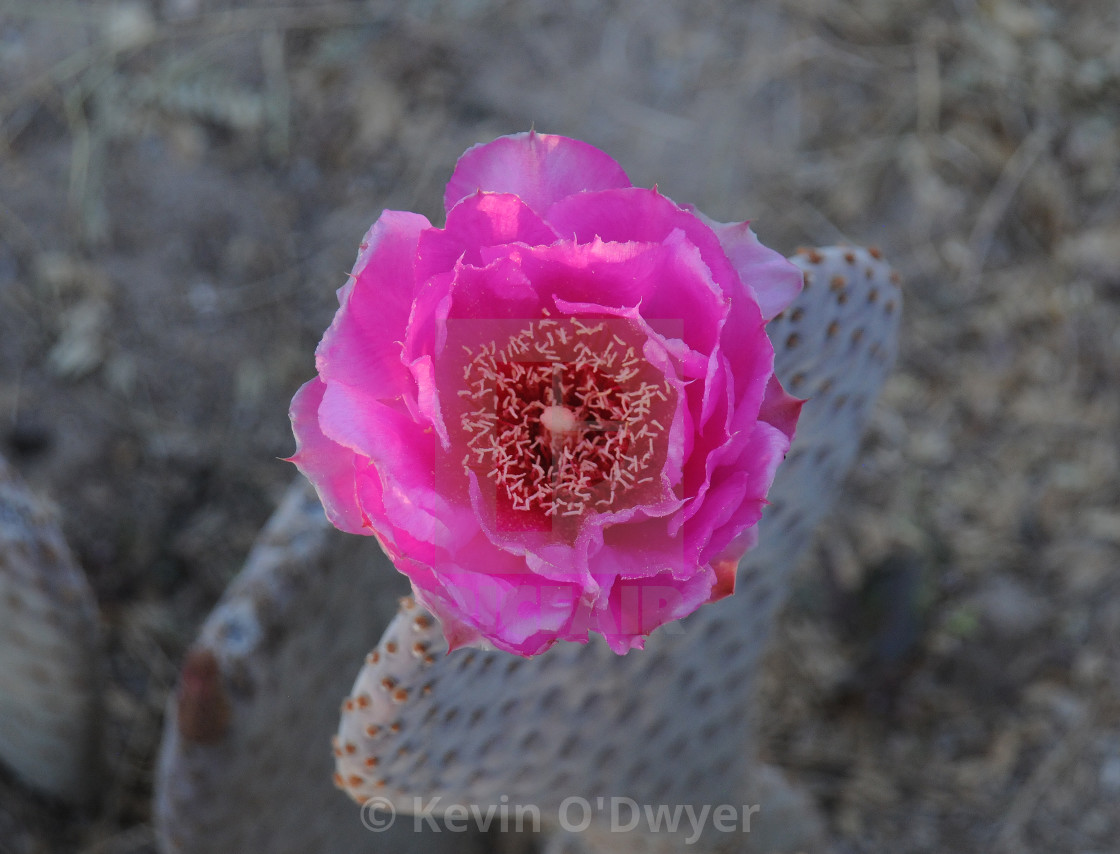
x: 182, y: 185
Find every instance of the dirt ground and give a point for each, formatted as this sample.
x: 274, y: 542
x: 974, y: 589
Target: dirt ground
x: 183, y: 184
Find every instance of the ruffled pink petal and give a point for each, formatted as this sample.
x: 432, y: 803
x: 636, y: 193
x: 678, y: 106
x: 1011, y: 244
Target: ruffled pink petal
x: 669, y: 280
x: 637, y: 606
x: 328, y: 465
x: 749, y: 368
x: 427, y: 396
x: 362, y: 346
x: 539, y: 168
x: 400, y: 546
x: 737, y: 495
x: 537, y: 550
x: 624, y: 215
x: 404, y: 456
x: 427, y: 324
x: 637, y: 214
x: 739, y: 474
x: 644, y: 548
x: 500, y: 289
x: 376, y: 430
x: 519, y: 613
x: 482, y: 592
x: 776, y: 282
x: 478, y: 221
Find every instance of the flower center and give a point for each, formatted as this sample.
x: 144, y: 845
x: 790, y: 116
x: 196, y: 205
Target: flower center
x: 567, y: 417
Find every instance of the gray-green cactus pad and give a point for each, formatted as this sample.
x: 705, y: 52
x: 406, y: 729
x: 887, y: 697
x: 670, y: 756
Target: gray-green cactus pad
x: 245, y: 761
x: 50, y: 665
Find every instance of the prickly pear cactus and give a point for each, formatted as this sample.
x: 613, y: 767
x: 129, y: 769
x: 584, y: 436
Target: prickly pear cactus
x: 422, y: 730
x: 50, y: 665
x: 668, y: 726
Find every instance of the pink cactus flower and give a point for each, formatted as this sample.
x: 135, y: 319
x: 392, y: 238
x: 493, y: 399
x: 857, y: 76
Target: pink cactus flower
x: 557, y: 413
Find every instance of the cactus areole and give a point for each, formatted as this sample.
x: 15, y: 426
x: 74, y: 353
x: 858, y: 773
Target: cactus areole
x: 557, y: 413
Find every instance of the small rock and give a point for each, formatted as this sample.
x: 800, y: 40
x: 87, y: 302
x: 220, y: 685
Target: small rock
x: 1010, y: 608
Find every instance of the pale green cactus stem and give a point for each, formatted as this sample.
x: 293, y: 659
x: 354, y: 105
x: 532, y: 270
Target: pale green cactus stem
x: 50, y: 652
x: 670, y: 725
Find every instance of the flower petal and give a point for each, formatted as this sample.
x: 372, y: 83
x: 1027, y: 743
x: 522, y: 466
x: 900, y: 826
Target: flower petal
x: 328, y: 465
x: 404, y: 456
x: 637, y: 214
x: 669, y: 280
x: 637, y: 606
x: 485, y: 594
x: 776, y: 282
x: 540, y: 168
x: 479, y: 220
x: 737, y: 495
x: 362, y: 347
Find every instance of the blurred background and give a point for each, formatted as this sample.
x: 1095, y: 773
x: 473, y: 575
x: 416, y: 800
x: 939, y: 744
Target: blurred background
x: 184, y: 183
